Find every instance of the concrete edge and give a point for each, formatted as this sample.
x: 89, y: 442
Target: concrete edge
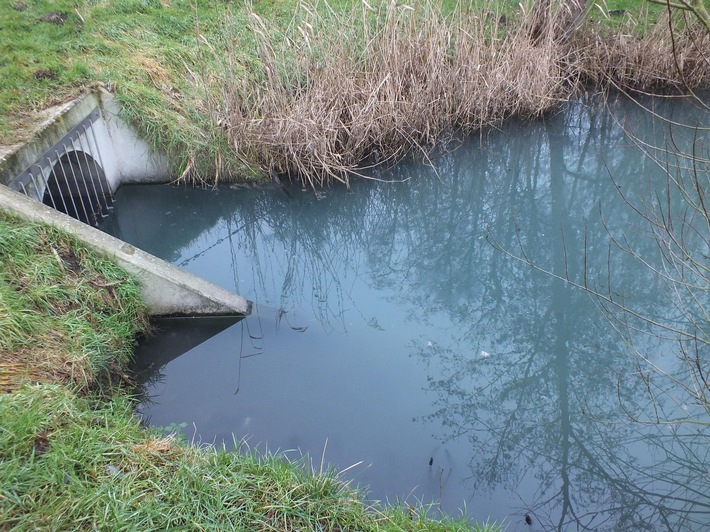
x: 167, y: 290
x: 60, y: 120
x: 124, y: 157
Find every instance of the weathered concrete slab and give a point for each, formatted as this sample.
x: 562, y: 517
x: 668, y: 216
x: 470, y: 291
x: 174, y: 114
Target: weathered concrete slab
x: 168, y: 290
x: 124, y: 157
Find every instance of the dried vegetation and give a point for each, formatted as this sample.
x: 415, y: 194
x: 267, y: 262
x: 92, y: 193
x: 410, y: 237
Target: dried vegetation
x: 664, y: 58
x: 336, y: 94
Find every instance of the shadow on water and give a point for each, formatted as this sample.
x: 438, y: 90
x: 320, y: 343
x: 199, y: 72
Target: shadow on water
x: 393, y: 330
x: 171, y: 338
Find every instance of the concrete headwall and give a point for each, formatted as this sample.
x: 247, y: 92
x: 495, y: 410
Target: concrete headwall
x: 126, y: 158
x: 132, y: 160
x: 168, y: 291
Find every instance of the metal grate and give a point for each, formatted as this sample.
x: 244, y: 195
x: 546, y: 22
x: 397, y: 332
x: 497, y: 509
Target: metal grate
x: 69, y: 176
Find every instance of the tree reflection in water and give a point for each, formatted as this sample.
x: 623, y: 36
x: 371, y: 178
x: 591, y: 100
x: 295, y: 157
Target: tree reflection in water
x: 523, y: 368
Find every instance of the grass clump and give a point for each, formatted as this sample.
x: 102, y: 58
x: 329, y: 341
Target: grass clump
x: 66, y: 315
x: 73, y: 455
x: 68, y: 463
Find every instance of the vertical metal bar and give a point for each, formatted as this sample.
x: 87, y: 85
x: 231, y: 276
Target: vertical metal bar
x: 87, y: 212
x: 99, y: 169
x: 84, y: 177
x: 71, y: 166
x: 96, y: 175
x: 91, y: 212
x: 34, y: 184
x: 101, y: 161
x: 56, y: 180
x: 46, y: 186
x: 98, y: 210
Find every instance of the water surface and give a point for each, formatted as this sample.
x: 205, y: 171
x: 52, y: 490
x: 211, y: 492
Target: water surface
x: 393, y: 330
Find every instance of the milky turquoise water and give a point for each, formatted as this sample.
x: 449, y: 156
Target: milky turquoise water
x: 395, y: 331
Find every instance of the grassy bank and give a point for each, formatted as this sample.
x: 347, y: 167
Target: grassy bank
x: 73, y: 455
x: 66, y: 316
x: 316, y: 89
x: 228, y: 93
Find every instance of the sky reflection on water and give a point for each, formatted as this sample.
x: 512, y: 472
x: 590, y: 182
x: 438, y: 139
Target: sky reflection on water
x: 390, y: 330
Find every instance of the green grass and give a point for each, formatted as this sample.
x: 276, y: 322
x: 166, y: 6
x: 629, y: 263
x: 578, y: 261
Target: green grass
x: 72, y: 453
x: 64, y: 312
x: 68, y: 463
x: 635, y: 16
x: 157, y: 56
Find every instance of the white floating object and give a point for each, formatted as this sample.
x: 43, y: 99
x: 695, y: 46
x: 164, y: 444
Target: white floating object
x: 429, y: 344
x: 485, y: 354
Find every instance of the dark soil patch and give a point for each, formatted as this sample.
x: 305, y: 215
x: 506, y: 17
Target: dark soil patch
x: 41, y: 444
x: 70, y: 260
x: 43, y: 73
x: 55, y: 17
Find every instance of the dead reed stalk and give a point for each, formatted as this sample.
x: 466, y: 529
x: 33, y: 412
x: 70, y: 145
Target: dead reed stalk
x: 335, y: 95
x: 663, y: 58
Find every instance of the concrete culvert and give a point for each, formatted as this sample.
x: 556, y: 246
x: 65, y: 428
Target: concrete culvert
x: 77, y: 186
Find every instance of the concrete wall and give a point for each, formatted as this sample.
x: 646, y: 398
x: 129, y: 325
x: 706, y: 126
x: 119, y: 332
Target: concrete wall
x: 126, y: 158
x: 168, y: 291
x: 131, y: 160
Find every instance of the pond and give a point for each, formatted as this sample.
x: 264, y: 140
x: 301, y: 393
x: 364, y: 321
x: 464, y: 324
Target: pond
x: 417, y: 331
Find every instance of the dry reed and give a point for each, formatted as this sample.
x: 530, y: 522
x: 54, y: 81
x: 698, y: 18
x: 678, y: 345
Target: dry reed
x: 661, y: 59
x: 337, y: 94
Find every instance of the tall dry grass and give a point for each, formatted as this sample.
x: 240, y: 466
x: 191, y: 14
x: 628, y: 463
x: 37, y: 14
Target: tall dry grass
x: 334, y: 95
x: 663, y: 58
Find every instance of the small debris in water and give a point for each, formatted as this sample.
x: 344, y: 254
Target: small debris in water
x: 375, y: 324
x: 485, y: 354
x: 431, y: 460
x: 528, y: 519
